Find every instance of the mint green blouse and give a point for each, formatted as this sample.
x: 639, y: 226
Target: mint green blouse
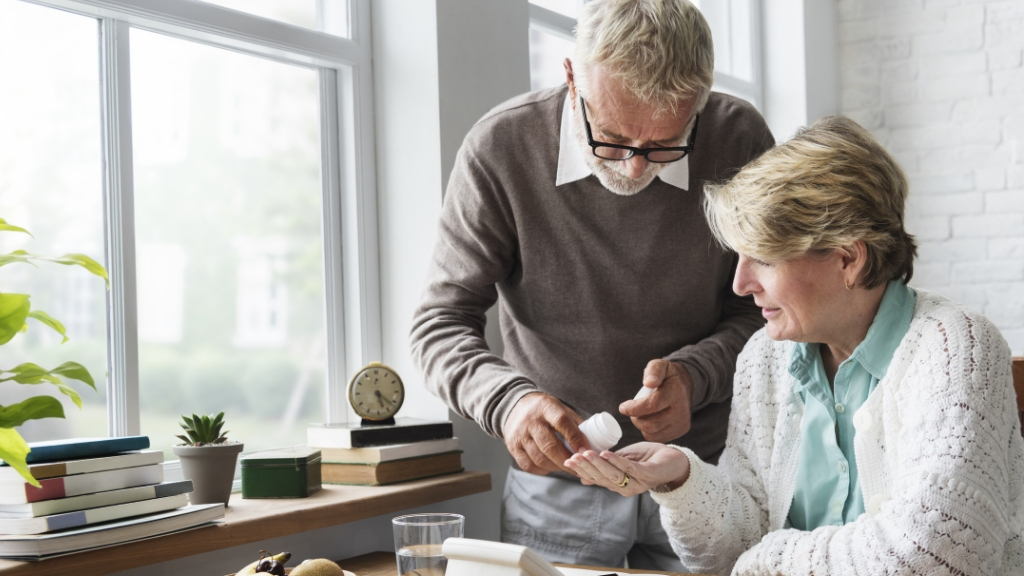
x: 827, y: 492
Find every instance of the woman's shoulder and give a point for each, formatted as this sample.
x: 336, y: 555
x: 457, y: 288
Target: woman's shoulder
x: 948, y: 341
x: 938, y: 317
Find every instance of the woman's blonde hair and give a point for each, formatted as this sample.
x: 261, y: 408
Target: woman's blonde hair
x: 827, y: 187
x: 660, y: 50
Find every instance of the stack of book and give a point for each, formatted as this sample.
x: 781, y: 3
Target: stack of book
x: 94, y: 492
x: 374, y: 455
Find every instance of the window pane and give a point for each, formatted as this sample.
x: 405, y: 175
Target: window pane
x: 570, y: 8
x: 547, y: 53
x: 51, y: 184
x: 227, y: 215
x: 730, y: 22
x: 329, y: 16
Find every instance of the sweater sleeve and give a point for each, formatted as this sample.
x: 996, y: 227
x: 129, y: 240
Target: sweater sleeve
x: 476, y: 248
x: 722, y: 510
x: 955, y: 502
x: 711, y: 362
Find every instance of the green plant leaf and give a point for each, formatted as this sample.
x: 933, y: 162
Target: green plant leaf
x: 13, y: 451
x: 75, y: 371
x: 70, y: 393
x: 185, y: 439
x: 28, y: 373
x: 82, y: 260
x: 16, y: 257
x: 14, y: 309
x: 50, y: 321
x: 5, y: 227
x: 32, y: 409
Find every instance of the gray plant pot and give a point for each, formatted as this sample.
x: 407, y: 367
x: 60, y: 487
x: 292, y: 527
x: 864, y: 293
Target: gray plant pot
x: 211, y: 470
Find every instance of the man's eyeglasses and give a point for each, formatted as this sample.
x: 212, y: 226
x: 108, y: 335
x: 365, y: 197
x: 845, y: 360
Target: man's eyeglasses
x: 619, y: 152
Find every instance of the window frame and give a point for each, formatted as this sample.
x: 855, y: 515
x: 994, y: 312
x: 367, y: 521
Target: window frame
x: 352, y: 316
x: 560, y: 25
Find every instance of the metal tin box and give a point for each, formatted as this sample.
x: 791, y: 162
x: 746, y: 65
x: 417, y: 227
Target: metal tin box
x: 284, y: 473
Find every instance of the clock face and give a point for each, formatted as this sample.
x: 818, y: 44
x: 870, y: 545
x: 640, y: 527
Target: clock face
x: 376, y: 392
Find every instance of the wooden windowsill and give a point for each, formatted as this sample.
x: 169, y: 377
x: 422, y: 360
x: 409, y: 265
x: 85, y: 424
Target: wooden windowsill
x: 255, y: 520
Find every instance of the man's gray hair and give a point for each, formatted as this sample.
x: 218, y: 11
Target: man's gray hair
x: 660, y: 50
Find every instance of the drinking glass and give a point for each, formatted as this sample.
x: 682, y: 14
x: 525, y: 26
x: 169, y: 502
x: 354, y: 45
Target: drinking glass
x: 418, y: 539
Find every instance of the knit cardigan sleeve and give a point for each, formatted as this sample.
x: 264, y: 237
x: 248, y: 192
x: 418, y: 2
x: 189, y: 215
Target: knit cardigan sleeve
x: 722, y: 510
x: 953, y: 456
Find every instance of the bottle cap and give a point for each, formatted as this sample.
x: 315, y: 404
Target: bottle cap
x: 602, y: 431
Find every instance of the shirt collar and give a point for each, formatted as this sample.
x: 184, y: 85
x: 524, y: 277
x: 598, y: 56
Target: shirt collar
x: 875, y: 352
x: 887, y: 329
x: 572, y: 165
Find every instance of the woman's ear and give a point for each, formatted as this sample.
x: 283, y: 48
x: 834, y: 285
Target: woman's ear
x: 854, y: 259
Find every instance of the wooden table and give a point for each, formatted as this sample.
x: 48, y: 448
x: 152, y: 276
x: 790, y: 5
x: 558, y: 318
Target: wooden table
x: 255, y: 520
x: 383, y: 564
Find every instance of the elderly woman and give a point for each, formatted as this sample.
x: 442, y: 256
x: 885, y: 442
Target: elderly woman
x: 873, y: 427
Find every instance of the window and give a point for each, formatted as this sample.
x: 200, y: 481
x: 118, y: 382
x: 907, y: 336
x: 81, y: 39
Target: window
x: 218, y: 162
x: 51, y: 182
x: 735, y: 26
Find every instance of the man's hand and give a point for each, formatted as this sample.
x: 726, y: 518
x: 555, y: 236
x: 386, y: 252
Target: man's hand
x: 663, y: 415
x: 530, y: 433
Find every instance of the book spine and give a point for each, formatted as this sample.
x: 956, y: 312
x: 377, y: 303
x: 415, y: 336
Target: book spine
x: 74, y: 450
x: 172, y: 489
x: 369, y: 436
x: 48, y: 490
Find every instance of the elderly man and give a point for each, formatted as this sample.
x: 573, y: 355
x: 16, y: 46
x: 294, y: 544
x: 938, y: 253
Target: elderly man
x: 578, y: 210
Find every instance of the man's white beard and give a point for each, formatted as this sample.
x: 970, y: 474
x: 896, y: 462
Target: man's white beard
x: 610, y: 172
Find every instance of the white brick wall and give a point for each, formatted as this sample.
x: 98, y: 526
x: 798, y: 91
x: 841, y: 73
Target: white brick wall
x: 941, y: 83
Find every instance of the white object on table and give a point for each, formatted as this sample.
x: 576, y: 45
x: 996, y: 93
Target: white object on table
x: 594, y: 572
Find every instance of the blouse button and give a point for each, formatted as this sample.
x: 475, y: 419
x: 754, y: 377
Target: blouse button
x: 863, y: 420
x: 840, y: 408
x: 842, y: 467
x: 875, y: 504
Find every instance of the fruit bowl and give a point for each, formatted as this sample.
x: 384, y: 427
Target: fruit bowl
x: 289, y: 571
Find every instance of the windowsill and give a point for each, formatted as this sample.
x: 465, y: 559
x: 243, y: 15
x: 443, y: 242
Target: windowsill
x: 255, y: 520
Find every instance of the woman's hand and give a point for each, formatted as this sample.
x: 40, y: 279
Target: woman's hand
x: 648, y: 465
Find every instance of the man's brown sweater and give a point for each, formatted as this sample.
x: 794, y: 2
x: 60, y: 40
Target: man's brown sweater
x: 592, y: 285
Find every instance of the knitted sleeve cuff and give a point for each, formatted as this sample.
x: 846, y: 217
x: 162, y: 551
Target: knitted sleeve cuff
x: 695, y: 483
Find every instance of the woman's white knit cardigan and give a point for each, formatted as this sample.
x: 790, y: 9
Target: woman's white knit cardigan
x: 938, y: 448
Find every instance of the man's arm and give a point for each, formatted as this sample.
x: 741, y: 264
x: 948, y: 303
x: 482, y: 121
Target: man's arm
x: 695, y: 375
x: 477, y: 248
x: 711, y: 362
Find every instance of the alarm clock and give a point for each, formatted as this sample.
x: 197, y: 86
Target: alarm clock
x: 376, y: 394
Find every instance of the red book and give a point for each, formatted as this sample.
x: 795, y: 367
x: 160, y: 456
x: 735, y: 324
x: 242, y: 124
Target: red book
x: 21, y: 492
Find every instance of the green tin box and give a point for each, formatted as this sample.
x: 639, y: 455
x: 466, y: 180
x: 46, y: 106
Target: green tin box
x: 284, y: 473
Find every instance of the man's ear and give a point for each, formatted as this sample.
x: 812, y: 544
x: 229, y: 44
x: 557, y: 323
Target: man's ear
x: 570, y: 79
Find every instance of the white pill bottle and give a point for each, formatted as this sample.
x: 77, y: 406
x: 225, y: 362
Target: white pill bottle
x: 602, y: 431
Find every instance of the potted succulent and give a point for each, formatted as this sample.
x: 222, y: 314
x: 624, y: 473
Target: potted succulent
x: 207, y: 458
x: 15, y: 311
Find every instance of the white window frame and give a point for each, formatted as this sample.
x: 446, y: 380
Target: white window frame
x: 349, y: 206
x: 562, y: 26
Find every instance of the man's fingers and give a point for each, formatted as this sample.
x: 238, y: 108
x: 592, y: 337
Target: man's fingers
x: 526, y: 463
x: 569, y: 428
x: 655, y: 372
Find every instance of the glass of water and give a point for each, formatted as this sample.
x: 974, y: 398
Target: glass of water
x: 418, y: 539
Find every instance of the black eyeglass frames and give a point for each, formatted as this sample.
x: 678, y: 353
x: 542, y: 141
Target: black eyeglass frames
x: 608, y: 151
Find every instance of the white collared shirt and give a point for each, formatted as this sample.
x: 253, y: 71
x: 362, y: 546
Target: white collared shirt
x: 572, y: 166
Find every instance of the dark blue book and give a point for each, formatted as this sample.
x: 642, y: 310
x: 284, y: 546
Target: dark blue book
x: 72, y: 448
